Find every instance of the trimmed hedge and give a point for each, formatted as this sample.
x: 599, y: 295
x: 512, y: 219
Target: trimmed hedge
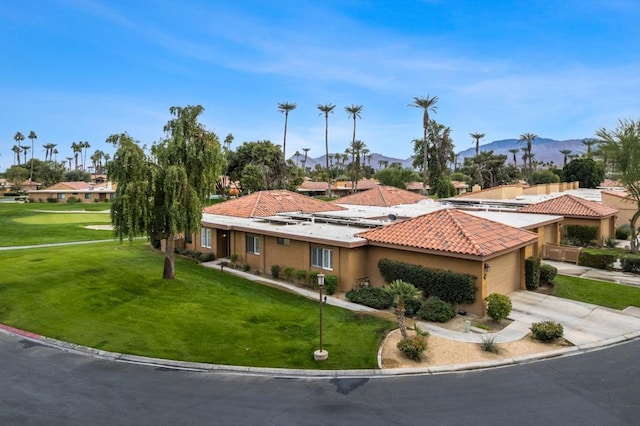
x: 597, y: 260
x: 532, y: 273
x: 623, y: 232
x: 449, y: 286
x: 498, y: 306
x: 630, y: 263
x: 330, y: 284
x: 547, y: 274
x: 373, y: 297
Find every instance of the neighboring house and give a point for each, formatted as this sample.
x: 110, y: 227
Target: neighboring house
x: 621, y: 201
x: 311, y: 188
x: 578, y: 211
x: 84, y: 192
x: 28, y: 185
x: 460, y: 187
x: 292, y: 230
x: 5, y: 186
x: 382, y: 196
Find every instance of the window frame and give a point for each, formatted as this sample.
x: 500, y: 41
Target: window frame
x: 205, y: 238
x: 325, y: 257
x: 254, y: 247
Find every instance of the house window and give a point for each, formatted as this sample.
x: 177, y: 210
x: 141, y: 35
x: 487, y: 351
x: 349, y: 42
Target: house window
x: 322, y: 258
x: 253, y: 244
x: 61, y: 196
x: 88, y: 196
x: 283, y: 241
x: 205, y: 237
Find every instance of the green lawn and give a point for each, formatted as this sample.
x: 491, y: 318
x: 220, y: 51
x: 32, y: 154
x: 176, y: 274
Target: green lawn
x: 54, y: 227
x: 601, y: 293
x: 112, y: 297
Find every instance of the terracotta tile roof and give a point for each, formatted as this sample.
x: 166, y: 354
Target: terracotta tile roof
x: 381, y: 196
x: 570, y: 206
x: 269, y: 203
x: 452, y: 231
x: 619, y: 194
x: 66, y: 186
x: 416, y: 186
x: 309, y: 185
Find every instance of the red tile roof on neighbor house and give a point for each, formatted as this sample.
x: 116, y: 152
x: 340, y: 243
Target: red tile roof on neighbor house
x: 570, y: 206
x: 66, y: 186
x: 270, y: 203
x: 381, y: 196
x: 452, y: 231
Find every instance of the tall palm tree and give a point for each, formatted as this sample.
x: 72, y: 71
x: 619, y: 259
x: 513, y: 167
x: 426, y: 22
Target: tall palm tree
x: 54, y: 151
x: 325, y: 110
x: 297, y: 155
x: 304, y: 160
x: 47, y: 148
x: 32, y: 136
x: 18, y: 137
x: 16, y: 150
x: 285, y: 108
x: 477, y: 137
x: 71, y: 158
x: 356, y: 149
x: 25, y: 149
x: 353, y: 111
x: 528, y: 138
x: 565, y: 153
x: 85, y: 146
x: 427, y: 104
x: 76, y: 147
x: 589, y: 143
x: 514, y: 151
x: 401, y: 292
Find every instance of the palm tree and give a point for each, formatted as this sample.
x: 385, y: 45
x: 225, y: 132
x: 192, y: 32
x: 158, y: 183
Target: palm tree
x: 32, y: 136
x: 325, y: 110
x: 297, y: 155
x: 47, y: 149
x: 71, y: 158
x: 477, y: 137
x: 401, y: 292
x: 228, y: 140
x: 565, y: 153
x: 357, y: 147
x: 353, y: 111
x: 18, y: 137
x: 85, y: 145
x: 589, y: 143
x: 285, y: 108
x: 528, y: 138
x: 25, y: 149
x: 76, y: 147
x: 514, y: 151
x: 16, y: 150
x: 54, y: 151
x: 426, y: 104
x: 304, y: 160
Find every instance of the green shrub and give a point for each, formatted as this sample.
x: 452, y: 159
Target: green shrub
x: 623, y: 231
x: 206, y: 257
x: 610, y: 242
x: 313, y: 278
x: 436, y: 310
x: 630, y: 263
x: 412, y: 306
x: 373, y: 297
x: 532, y: 273
x: 275, y: 271
x: 301, y: 276
x: 581, y: 234
x: 498, y: 306
x: 413, y: 347
x: 547, y: 331
x: 288, y: 273
x: 547, y: 274
x: 52, y: 200
x: 246, y: 267
x: 450, y: 286
x: 330, y: 284
x: 597, y: 260
x: 488, y: 344
x: 73, y: 200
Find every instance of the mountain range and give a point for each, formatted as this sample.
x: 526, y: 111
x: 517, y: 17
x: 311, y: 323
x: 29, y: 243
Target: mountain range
x: 545, y: 150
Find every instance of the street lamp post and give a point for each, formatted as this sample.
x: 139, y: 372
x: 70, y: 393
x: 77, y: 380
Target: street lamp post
x: 320, y: 355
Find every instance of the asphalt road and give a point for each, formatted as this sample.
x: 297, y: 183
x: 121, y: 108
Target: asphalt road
x: 46, y: 386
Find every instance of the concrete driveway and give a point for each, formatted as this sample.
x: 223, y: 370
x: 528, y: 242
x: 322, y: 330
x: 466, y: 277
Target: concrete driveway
x: 585, y: 325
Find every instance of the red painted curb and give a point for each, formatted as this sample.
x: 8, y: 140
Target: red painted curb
x: 20, y: 332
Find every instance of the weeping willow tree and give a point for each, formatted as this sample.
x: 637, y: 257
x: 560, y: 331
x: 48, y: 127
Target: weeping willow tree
x: 162, y: 195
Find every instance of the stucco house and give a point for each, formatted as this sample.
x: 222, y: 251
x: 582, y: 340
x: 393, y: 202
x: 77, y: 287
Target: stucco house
x: 382, y: 196
x: 292, y: 230
x: 578, y: 211
x: 84, y: 192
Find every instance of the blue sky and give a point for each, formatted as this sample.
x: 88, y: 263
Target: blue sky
x: 84, y: 69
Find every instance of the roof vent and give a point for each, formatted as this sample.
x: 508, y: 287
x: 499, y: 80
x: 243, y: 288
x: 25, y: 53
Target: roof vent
x: 392, y: 217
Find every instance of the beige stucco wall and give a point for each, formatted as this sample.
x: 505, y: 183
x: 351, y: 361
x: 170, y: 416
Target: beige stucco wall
x: 606, y: 226
x: 625, y: 206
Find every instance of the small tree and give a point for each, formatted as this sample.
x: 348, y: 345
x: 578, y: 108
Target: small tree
x: 401, y: 291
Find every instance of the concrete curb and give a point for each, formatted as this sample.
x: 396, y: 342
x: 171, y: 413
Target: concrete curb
x: 299, y: 373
